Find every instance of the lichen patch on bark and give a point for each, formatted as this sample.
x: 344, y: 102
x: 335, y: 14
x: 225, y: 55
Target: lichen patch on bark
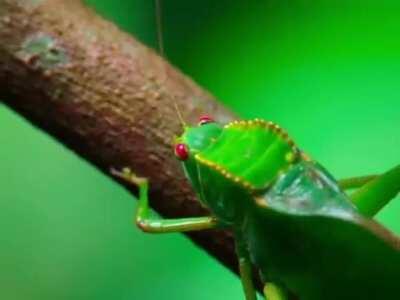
x: 42, y: 51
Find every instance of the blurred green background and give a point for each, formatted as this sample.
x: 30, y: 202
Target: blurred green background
x: 329, y: 73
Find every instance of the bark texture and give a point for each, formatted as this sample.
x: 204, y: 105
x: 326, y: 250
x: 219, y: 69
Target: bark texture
x: 107, y: 97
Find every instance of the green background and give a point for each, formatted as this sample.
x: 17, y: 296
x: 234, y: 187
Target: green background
x: 328, y: 73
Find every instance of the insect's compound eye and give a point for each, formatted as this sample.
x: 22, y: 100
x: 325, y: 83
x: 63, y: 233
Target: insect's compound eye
x: 205, y: 119
x: 182, y: 151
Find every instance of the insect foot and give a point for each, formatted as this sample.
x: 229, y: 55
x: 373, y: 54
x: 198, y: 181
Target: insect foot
x: 128, y: 175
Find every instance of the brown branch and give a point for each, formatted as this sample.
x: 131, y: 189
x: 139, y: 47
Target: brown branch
x: 107, y: 97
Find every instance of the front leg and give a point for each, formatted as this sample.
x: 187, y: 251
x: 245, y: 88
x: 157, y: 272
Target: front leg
x: 148, y: 224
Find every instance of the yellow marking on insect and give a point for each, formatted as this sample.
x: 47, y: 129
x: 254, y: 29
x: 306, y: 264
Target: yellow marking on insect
x: 283, y: 134
x: 290, y: 157
x: 226, y: 173
x: 305, y: 157
x: 260, y: 201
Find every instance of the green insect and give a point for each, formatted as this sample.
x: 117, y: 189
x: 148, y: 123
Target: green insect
x: 289, y: 216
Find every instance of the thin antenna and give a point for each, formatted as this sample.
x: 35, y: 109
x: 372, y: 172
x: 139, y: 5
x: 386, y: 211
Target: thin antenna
x: 160, y: 39
x: 178, y: 112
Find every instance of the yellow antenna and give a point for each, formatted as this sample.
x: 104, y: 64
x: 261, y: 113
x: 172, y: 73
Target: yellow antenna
x: 160, y: 39
x: 178, y: 112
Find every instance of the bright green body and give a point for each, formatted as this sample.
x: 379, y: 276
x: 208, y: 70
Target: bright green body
x: 289, y: 217
x: 300, y: 229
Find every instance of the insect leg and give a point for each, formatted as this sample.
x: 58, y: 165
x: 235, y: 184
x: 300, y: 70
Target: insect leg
x: 245, y: 268
x: 376, y: 193
x: 355, y: 182
x: 152, y: 225
x: 273, y: 291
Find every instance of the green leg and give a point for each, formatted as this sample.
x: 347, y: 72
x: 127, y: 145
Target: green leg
x: 376, y: 193
x: 273, y: 291
x: 245, y: 268
x: 147, y: 224
x: 355, y: 182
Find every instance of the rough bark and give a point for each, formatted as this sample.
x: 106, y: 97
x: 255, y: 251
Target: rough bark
x: 107, y: 97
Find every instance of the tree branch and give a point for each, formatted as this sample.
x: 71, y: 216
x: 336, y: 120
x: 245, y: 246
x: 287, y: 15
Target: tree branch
x: 107, y: 97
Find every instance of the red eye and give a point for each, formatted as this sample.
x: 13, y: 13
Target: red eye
x: 181, y: 151
x: 205, y: 119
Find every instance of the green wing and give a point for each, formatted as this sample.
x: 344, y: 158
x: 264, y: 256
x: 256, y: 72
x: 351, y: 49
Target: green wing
x: 326, y: 258
x: 251, y: 153
x: 305, y: 232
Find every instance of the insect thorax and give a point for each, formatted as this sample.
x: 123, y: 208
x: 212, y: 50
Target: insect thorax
x: 250, y: 153
x: 245, y: 158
